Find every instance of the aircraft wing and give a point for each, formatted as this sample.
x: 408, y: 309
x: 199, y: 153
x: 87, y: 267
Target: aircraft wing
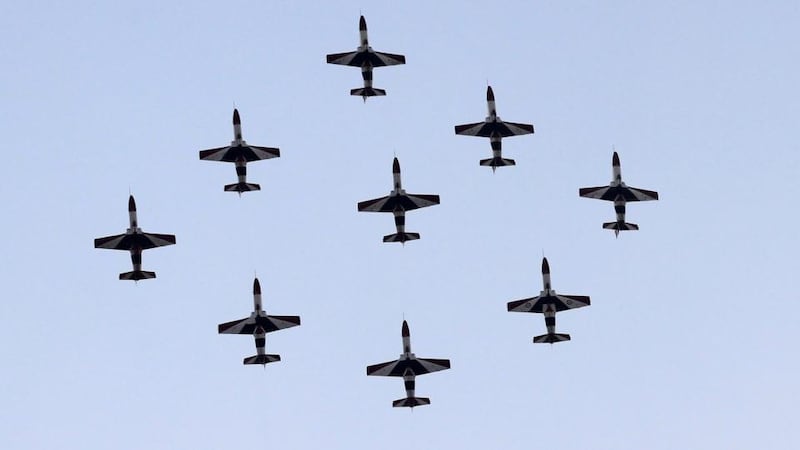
x: 407, y: 202
x: 249, y: 325
x: 128, y: 241
x: 153, y: 240
x: 379, y: 59
x: 116, y: 242
x: 610, y: 193
x: 499, y: 128
x: 418, y: 366
x: 345, y: 59
x: 538, y: 304
x: 640, y: 195
x: 232, y: 153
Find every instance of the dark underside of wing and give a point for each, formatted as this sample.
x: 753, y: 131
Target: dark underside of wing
x: 234, y: 153
x: 143, y: 241
x: 418, y: 366
x: 358, y: 59
x: 407, y: 202
x: 267, y: 323
x: 539, y: 304
x: 611, y: 193
x: 489, y: 129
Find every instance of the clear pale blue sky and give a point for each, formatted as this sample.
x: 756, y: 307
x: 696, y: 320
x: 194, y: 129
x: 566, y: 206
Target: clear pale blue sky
x: 691, y: 338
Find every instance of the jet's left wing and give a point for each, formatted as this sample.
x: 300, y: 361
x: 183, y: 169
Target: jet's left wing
x: 379, y: 59
x: 418, y: 366
x: 488, y: 129
x: 153, y: 240
x: 252, y: 323
x: 232, y: 153
x: 407, y: 202
x: 610, y: 193
x: 538, y: 304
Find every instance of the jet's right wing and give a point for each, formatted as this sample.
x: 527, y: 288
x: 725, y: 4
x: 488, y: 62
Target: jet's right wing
x: 345, y: 59
x: 116, y: 242
x: 418, y: 366
x: 153, y: 240
x: 379, y: 59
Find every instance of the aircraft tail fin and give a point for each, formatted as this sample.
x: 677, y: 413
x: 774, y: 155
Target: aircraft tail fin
x: 498, y: 162
x: 620, y: 226
x: 551, y: 338
x: 401, y: 237
x: 242, y: 187
x: 367, y: 92
x: 261, y: 359
x: 411, y: 402
x: 137, y: 275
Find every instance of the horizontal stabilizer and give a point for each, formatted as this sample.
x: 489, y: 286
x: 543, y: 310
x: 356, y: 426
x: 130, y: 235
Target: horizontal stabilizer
x: 367, y: 92
x: 498, y: 162
x: 620, y: 226
x: 242, y: 187
x: 261, y: 359
x: 401, y: 237
x: 411, y: 402
x: 551, y: 338
x: 137, y: 275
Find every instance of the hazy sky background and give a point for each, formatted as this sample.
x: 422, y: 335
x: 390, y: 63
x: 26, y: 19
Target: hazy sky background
x: 691, y: 338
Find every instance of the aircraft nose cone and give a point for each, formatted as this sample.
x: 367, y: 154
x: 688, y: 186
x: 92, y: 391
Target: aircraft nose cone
x: 131, y: 204
x: 396, y: 166
x: 236, y: 120
x: 406, y: 333
x: 256, y: 287
x: 545, y: 266
x: 362, y: 24
x: 489, y: 94
x: 615, y: 160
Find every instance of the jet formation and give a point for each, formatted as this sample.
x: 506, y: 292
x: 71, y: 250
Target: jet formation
x: 619, y: 193
x: 409, y: 367
x: 366, y: 58
x: 259, y: 324
x: 240, y: 153
x: 135, y: 241
x: 548, y: 303
x: 397, y: 203
x: 495, y: 129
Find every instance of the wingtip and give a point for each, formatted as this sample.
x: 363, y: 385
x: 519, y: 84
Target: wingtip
x: 256, y: 287
x: 396, y: 165
x: 406, y: 333
x: 236, y: 119
x: 489, y: 94
x: 545, y: 266
x: 131, y: 203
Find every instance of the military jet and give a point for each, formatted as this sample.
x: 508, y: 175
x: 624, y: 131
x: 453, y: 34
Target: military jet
x: 134, y: 240
x: 495, y: 129
x: 366, y: 58
x: 240, y: 153
x: 619, y: 193
x: 259, y: 324
x: 548, y: 303
x: 408, y: 367
x: 397, y: 203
